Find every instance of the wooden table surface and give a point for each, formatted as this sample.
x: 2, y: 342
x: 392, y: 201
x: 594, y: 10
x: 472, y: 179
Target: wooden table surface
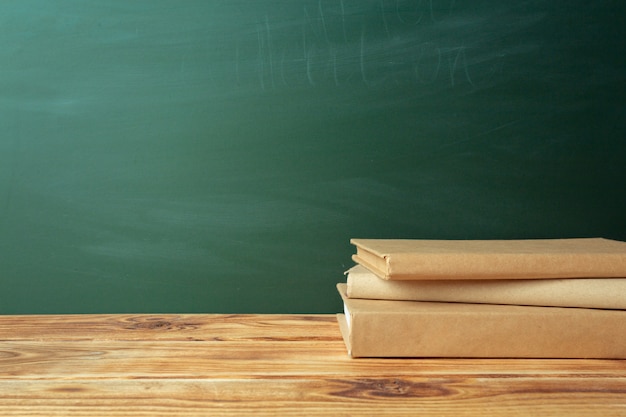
x: 274, y: 365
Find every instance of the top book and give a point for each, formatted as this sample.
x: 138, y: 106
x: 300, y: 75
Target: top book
x: 412, y: 259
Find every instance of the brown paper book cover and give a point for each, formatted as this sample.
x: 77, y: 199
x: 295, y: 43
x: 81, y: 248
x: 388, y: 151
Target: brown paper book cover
x: 409, y: 259
x: 605, y: 293
x: 382, y: 328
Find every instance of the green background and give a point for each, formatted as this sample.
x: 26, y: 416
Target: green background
x: 217, y: 156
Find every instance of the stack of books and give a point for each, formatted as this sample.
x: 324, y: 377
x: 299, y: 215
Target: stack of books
x: 537, y: 298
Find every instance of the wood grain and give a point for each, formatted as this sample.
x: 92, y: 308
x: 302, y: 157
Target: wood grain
x: 191, y: 365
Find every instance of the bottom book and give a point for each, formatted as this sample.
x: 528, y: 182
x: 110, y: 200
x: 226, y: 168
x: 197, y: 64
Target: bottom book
x: 383, y: 328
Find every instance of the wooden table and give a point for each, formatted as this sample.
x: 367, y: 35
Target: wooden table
x: 270, y: 365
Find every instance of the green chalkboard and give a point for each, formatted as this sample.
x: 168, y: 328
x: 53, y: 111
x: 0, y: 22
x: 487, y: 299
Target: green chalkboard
x: 217, y: 156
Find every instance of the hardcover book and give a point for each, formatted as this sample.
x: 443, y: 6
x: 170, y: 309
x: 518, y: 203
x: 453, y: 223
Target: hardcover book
x: 607, y: 293
x: 406, y: 259
x: 382, y: 328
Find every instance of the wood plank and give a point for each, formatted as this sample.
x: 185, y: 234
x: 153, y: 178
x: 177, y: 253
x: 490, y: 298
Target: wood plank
x: 316, y: 397
x: 234, y: 359
x: 192, y: 365
x: 316, y: 337
x: 169, y: 327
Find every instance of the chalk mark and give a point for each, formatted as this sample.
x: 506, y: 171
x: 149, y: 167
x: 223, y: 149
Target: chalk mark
x: 261, y: 59
x: 436, y: 72
x: 362, y: 57
x: 323, y: 19
x: 453, y: 66
x: 382, y: 12
x: 479, y: 135
x: 399, y: 16
x: 334, y: 58
x: 309, y: 76
x: 237, y: 63
x: 282, y: 69
x: 269, y: 50
x: 343, y: 20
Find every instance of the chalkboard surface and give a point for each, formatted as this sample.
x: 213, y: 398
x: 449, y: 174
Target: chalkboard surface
x: 217, y: 156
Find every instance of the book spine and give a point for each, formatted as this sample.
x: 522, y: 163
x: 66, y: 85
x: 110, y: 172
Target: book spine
x: 450, y: 266
x: 603, y: 293
x: 584, y: 334
x: 512, y: 259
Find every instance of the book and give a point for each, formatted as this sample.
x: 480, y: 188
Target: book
x: 407, y: 259
x: 383, y: 328
x: 606, y: 293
